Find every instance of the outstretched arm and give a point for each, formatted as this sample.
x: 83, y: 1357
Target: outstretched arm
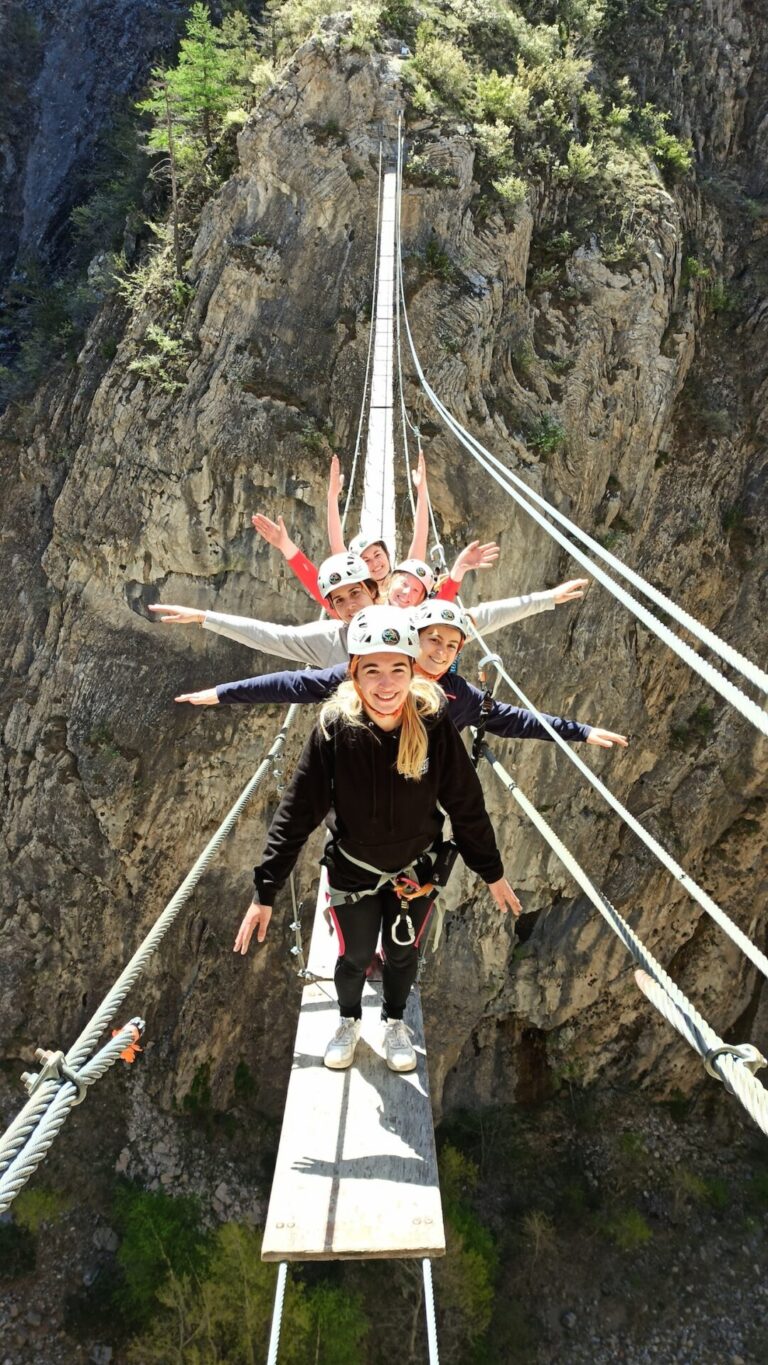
x: 292, y: 685
x: 418, y: 548
x: 335, y: 485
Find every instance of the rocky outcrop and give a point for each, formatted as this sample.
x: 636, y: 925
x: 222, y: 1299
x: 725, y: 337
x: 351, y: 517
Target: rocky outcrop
x: 68, y: 67
x: 121, y: 494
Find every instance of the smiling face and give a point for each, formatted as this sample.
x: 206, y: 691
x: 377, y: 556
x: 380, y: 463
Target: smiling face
x: 383, y: 681
x: 405, y: 590
x: 438, y: 647
x: 377, y: 560
x: 348, y: 601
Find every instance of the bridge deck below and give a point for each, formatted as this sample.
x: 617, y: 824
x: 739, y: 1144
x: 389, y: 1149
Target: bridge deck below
x: 356, y: 1172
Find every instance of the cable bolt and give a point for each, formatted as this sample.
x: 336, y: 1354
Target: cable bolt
x: 54, y: 1068
x: 746, y: 1053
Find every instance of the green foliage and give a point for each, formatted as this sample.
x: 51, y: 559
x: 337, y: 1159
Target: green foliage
x: 458, y: 1176
x: 696, y: 728
x: 672, y: 153
x: 539, y: 1233
x: 693, y: 269
x: 212, y: 68
x: 439, y: 262
x: 628, y: 1229
x: 442, y: 65
x: 503, y: 98
x: 547, y: 435
x: 223, y: 1312
x: 118, y: 178
x: 338, y: 1326
x: 318, y: 436
x: 35, y: 1205
x: 161, y: 1237
x: 164, y: 360
x: 48, y: 317
x: 421, y: 170
x: 244, y: 1082
x: 17, y: 1251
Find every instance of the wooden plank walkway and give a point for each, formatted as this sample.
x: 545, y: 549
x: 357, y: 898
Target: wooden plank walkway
x: 356, y: 1173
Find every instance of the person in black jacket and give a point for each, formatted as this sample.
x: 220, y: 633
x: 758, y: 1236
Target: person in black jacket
x: 380, y: 761
x: 443, y: 629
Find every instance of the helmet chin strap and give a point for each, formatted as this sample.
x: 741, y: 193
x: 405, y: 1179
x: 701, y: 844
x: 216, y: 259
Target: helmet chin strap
x: 422, y: 673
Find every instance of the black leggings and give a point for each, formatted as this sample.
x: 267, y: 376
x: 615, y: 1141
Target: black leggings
x: 358, y: 927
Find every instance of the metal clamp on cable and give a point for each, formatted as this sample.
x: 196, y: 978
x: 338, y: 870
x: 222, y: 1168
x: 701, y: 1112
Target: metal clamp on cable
x: 437, y: 553
x: 54, y: 1068
x: 746, y: 1053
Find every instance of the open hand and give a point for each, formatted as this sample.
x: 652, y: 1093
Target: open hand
x: 335, y: 478
x: 274, y: 533
x: 606, y: 739
x: 474, y: 556
x: 179, y: 616
x: 570, y: 591
x: 208, y: 697
x: 505, y: 897
x: 255, y: 916
x: 419, y: 474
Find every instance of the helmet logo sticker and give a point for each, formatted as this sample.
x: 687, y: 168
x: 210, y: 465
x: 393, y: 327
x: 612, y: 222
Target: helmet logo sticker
x: 421, y: 572
x: 334, y: 578
x: 448, y: 615
x: 390, y: 637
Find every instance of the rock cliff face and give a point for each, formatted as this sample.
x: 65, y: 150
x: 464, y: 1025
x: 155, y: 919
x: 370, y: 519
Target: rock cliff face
x: 66, y: 65
x: 118, y: 495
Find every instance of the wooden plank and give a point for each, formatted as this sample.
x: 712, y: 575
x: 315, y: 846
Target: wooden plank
x: 356, y: 1173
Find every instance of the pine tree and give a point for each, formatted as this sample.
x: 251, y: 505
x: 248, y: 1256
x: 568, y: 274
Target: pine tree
x: 203, y: 81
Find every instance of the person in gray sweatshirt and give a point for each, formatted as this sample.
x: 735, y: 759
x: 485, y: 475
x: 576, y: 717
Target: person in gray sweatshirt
x: 345, y: 586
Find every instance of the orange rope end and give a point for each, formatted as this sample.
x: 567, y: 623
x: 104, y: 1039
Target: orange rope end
x: 129, y: 1053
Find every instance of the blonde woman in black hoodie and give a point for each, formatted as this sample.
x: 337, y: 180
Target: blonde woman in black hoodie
x: 382, y: 757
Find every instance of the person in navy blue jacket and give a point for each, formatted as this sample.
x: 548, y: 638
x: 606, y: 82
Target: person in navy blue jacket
x: 443, y: 629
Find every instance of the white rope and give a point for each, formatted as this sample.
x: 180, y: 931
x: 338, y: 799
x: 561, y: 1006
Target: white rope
x: 727, y: 653
x: 67, y: 1095
x: 26, y: 1121
x: 685, y: 880
x: 733, y: 694
x: 437, y: 552
x: 366, y: 380
x: 277, y: 1313
x: 744, y: 1085
x: 735, y: 1065
x: 429, y: 1308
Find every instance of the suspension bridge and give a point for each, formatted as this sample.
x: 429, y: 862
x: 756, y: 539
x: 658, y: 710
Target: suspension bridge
x: 356, y: 1174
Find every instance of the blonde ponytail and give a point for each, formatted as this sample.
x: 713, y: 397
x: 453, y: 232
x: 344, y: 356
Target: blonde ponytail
x: 424, y: 698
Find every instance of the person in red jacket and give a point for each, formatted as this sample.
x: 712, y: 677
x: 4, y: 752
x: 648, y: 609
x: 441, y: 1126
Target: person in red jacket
x: 382, y: 764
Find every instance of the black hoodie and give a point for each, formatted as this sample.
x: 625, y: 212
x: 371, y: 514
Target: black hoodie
x: 376, y: 815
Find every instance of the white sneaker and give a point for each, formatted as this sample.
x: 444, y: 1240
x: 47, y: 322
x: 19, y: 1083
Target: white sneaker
x: 340, y: 1052
x: 398, y: 1048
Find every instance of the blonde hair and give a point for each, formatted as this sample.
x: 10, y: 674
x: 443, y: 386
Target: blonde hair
x: 424, y: 698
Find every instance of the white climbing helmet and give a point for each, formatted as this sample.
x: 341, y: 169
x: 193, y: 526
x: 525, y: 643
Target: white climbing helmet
x: 418, y: 569
x: 363, y: 542
x: 438, y: 613
x: 383, y: 630
x: 339, y: 571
